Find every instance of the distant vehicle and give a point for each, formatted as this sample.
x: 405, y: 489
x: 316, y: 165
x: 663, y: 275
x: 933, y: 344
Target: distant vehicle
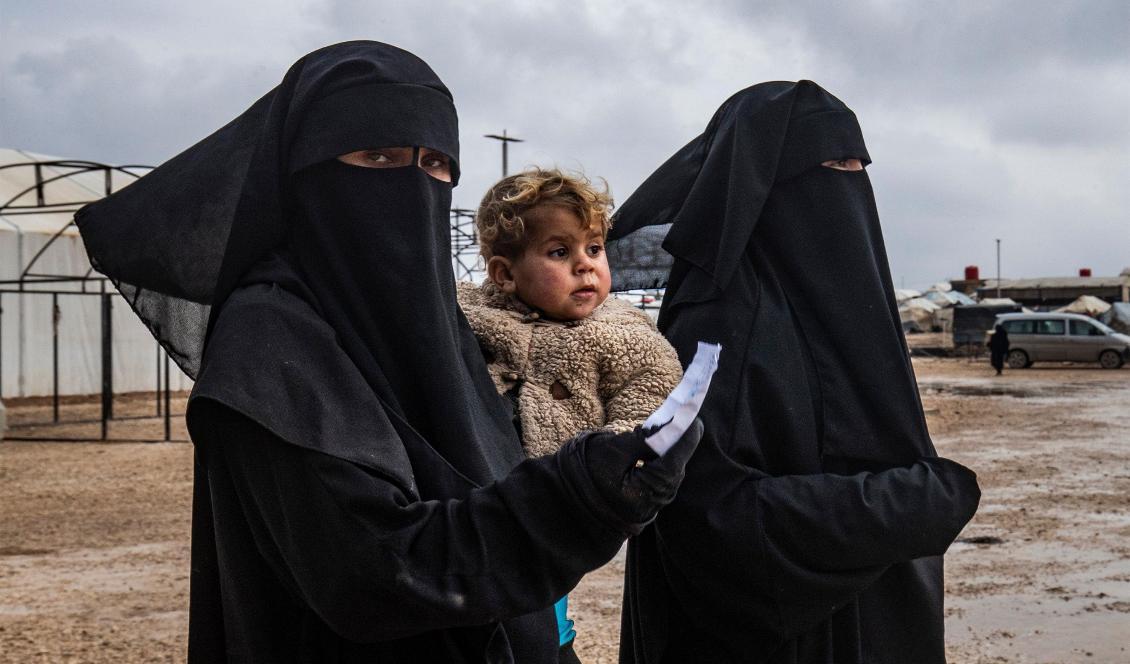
x: 642, y: 299
x: 1049, y: 337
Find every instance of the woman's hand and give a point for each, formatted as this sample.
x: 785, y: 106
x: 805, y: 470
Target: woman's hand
x: 629, y: 477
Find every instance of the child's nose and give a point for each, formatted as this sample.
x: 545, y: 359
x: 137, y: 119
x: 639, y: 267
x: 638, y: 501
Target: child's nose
x: 585, y: 264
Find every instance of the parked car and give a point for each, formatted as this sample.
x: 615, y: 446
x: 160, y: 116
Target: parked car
x: 1049, y: 337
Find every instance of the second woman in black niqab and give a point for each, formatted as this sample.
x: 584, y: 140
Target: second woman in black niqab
x: 360, y: 494
x: 811, y: 523
x: 998, y: 348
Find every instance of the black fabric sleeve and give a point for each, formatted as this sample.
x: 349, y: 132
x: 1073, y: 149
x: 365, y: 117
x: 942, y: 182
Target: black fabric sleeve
x: 374, y: 564
x: 787, y: 552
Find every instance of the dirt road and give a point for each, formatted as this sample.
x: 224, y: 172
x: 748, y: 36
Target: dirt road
x: 94, y: 537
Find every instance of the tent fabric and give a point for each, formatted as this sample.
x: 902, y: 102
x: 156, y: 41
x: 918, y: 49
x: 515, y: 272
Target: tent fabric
x: 1088, y: 305
x: 1118, y: 317
x: 948, y: 298
x: 997, y: 302
x: 26, y: 336
x: 904, y: 294
x: 918, y: 314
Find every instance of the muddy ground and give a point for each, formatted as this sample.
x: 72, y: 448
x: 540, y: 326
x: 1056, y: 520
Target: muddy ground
x: 94, y: 536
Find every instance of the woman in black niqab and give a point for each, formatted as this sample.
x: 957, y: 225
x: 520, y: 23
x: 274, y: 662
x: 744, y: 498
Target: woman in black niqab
x: 358, y: 491
x: 817, y: 491
x: 998, y: 348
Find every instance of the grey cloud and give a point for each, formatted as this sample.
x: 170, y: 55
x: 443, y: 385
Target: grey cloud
x: 119, y: 106
x: 987, y: 119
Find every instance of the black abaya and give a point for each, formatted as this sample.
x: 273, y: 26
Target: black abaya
x: 360, y: 494
x: 998, y: 348
x: 812, y: 520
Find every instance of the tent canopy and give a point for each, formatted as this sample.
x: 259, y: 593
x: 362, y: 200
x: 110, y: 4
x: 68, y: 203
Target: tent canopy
x: 38, y: 197
x: 1088, y: 305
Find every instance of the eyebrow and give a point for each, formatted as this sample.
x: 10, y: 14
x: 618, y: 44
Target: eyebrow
x: 565, y: 238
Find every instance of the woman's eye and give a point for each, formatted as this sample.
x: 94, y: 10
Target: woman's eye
x: 377, y: 157
x: 851, y: 164
x: 435, y: 162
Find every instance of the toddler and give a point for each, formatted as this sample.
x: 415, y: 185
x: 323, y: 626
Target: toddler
x: 569, y: 358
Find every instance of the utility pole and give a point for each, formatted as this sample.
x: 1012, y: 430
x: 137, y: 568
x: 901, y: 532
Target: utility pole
x: 505, y: 140
x: 998, y: 268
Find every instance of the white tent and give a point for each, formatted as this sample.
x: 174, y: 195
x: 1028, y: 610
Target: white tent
x: 39, y: 245
x: 947, y: 298
x: 917, y: 314
x: 904, y: 294
x: 1088, y: 305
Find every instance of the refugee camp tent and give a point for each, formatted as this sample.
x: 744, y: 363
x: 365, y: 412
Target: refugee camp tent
x: 917, y: 315
x: 904, y: 294
x: 44, y: 273
x: 1118, y: 317
x: 998, y: 302
x: 1088, y: 305
x: 948, y: 298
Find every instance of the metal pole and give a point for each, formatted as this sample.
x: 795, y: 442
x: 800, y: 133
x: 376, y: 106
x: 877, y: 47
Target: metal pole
x: 506, y: 141
x: 168, y: 415
x: 2, y: 345
x: 107, y: 364
x: 55, y: 354
x: 158, y: 363
x: 998, y: 268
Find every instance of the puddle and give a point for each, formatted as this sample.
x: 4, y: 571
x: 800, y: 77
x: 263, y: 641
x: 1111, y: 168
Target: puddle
x: 1056, y: 629
x: 981, y: 539
x: 22, y: 551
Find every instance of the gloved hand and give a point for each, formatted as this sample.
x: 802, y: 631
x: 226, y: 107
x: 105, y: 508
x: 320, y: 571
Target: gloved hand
x: 629, y: 477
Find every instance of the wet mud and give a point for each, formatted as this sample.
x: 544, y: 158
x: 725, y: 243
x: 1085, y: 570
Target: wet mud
x: 94, y: 537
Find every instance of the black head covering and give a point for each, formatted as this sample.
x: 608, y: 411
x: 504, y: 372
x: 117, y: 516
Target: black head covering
x: 781, y: 261
x: 177, y: 242
x: 325, y: 290
x: 747, y: 205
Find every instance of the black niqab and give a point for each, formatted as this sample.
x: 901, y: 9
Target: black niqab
x: 816, y: 478
x: 356, y: 497
x: 281, y: 212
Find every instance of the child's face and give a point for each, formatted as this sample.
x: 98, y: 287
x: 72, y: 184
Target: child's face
x: 563, y: 271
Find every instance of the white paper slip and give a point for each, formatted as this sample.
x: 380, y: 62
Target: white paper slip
x: 681, y: 406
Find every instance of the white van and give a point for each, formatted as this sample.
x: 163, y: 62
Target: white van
x: 1050, y: 337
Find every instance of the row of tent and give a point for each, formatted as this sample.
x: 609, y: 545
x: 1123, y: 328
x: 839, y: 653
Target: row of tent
x: 932, y: 310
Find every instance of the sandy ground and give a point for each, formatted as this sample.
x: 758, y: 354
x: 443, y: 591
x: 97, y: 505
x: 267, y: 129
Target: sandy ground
x: 94, y: 536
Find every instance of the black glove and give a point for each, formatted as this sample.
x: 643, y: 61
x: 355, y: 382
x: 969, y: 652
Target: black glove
x: 628, y: 477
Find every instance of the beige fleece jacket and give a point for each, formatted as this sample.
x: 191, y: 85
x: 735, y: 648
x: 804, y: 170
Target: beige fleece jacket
x: 607, y: 371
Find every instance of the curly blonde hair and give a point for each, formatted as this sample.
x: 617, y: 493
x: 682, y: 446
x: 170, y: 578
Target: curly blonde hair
x: 503, y: 218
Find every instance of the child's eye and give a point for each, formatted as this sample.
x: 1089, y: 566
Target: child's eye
x: 594, y: 250
x: 560, y: 252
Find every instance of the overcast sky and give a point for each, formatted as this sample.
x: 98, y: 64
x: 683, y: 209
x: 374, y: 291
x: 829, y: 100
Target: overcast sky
x: 984, y: 119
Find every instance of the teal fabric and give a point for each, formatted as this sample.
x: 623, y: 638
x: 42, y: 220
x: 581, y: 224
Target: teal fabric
x: 565, y: 631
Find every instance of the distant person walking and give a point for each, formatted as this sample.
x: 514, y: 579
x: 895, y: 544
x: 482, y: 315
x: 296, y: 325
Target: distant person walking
x: 998, y: 348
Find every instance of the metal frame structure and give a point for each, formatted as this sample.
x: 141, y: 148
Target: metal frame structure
x: 43, y: 284
x: 464, y: 244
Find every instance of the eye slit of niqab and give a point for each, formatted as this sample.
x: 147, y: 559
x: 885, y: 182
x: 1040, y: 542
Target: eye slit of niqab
x: 431, y: 161
x: 847, y: 164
